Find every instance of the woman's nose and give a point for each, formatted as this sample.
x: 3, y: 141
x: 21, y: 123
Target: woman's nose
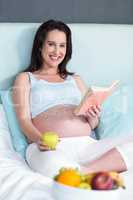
x: 56, y: 49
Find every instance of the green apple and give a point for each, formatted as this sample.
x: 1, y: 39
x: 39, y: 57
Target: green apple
x: 50, y: 139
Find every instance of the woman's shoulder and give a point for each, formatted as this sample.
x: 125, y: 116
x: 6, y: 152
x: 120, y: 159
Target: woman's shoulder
x: 22, y: 75
x: 76, y: 76
x: 22, y: 78
x: 80, y: 83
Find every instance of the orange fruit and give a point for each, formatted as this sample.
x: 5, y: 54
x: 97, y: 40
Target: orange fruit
x: 69, y: 177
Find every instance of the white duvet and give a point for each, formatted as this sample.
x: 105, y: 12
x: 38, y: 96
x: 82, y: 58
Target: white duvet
x: 19, y: 182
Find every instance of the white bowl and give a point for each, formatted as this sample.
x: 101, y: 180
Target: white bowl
x: 63, y: 192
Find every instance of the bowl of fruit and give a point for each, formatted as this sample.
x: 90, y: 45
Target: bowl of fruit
x: 70, y: 184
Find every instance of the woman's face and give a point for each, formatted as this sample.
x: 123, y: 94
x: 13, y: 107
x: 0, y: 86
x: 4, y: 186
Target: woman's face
x: 54, y: 49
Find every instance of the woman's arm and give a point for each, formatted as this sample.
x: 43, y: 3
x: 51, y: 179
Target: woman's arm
x: 21, y: 92
x: 110, y: 161
x: 93, y: 113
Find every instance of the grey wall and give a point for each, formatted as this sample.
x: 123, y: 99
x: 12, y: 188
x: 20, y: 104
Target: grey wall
x: 70, y: 11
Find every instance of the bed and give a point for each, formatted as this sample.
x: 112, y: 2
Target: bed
x: 101, y: 53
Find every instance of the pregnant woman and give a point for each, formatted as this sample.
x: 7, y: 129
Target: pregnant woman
x: 46, y: 95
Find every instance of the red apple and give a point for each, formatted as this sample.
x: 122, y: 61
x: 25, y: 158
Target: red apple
x: 102, y: 181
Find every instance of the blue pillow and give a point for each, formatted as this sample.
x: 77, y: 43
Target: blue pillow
x: 18, y: 139
x: 117, y: 114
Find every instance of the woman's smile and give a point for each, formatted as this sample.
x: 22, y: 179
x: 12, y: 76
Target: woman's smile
x: 55, y: 58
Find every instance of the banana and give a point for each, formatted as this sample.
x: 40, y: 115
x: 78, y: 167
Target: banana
x: 118, y: 179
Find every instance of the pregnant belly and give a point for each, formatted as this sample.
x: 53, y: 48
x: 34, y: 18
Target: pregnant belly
x: 62, y: 120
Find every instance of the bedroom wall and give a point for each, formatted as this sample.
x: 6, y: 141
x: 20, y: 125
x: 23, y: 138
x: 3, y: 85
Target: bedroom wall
x: 70, y: 11
x: 101, y: 52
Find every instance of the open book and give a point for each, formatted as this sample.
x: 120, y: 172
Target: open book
x: 94, y: 97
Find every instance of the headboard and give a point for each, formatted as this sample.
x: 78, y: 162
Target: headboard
x: 101, y: 53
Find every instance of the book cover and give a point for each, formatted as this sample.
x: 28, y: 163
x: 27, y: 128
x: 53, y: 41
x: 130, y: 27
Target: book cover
x: 94, y: 98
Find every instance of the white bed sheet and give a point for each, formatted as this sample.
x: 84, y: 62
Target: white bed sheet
x: 19, y: 182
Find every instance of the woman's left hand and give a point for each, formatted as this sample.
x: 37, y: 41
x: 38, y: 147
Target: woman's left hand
x: 92, y: 115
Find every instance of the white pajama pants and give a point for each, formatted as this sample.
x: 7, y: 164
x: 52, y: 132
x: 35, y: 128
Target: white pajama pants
x: 76, y: 151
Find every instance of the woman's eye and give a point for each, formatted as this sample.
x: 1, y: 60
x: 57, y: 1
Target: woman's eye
x: 51, y: 44
x: 62, y: 45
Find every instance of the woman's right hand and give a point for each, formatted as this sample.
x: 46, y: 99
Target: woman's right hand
x: 42, y: 146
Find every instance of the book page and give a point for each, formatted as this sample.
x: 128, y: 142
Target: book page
x: 94, y: 98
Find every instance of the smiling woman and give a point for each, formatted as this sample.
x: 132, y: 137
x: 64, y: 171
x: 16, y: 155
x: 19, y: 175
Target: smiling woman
x: 46, y: 95
x: 53, y: 92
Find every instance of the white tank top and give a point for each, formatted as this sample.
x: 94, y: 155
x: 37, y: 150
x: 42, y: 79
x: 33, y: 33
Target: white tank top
x: 45, y: 95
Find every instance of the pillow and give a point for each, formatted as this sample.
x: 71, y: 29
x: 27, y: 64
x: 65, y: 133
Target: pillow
x: 18, y: 139
x: 5, y: 138
x: 3, y: 120
x: 117, y: 114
